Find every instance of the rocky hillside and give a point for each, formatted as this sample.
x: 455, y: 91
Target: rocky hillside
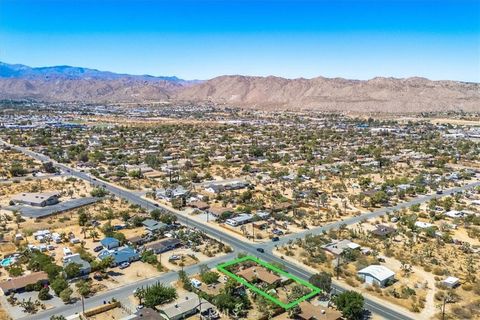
x: 66, y: 83
x: 378, y: 94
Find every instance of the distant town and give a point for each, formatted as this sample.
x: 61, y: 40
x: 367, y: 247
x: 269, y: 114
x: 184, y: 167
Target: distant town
x: 204, y: 211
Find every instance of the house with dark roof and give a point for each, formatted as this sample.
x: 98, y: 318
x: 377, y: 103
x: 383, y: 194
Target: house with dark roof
x: 162, y: 245
x: 146, y: 314
x: 383, y: 231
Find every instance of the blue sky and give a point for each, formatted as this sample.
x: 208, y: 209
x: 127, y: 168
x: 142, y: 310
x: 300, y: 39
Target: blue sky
x: 357, y: 39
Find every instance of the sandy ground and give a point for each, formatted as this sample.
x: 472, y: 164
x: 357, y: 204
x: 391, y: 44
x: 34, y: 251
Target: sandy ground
x: 370, y: 296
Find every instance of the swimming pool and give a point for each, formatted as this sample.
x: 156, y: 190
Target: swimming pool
x: 7, y: 261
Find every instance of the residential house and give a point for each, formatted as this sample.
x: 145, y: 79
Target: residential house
x: 454, y: 214
x: 185, y: 306
x: 376, y: 275
x: 146, y: 314
x: 136, y: 240
x: 85, y: 267
x: 200, y: 205
x: 239, y: 220
x: 383, y: 231
x: 218, y: 211
x: 19, y: 283
x: 154, y: 226
x: 120, y: 255
x: 423, y: 225
x: 310, y: 312
x: 110, y: 243
x: 162, y: 245
x: 172, y: 193
x: 338, y: 247
x: 260, y: 273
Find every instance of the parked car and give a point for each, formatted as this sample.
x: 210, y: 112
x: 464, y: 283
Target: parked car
x: 124, y: 265
x: 274, y: 239
x: 174, y: 257
x: 97, y: 248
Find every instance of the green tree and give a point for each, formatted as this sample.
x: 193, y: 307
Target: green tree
x: 66, y: 295
x: 84, y: 288
x: 72, y: 270
x: 59, y: 284
x: 187, y: 285
x: 44, y: 294
x: 157, y: 294
x: 49, y: 168
x: 350, y: 303
x: 102, y: 265
x: 323, y: 281
x: 15, y: 270
x: 98, y: 192
x: 168, y: 218
x: 155, y: 214
x: 82, y: 219
x: 207, y: 276
x: 17, y: 170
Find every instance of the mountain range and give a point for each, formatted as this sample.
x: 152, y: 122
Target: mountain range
x: 66, y: 83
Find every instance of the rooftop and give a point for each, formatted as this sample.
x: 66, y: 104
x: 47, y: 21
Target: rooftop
x: 380, y: 273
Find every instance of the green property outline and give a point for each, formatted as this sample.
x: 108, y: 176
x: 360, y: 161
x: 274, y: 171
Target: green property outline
x: 221, y: 267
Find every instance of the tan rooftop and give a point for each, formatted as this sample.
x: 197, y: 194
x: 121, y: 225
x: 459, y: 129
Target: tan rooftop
x: 259, y: 273
x: 21, y: 282
x: 309, y: 311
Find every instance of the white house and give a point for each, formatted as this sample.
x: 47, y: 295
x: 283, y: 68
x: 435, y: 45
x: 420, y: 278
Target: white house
x: 423, y: 225
x: 451, y: 282
x: 454, y: 214
x: 239, y: 220
x: 376, y: 275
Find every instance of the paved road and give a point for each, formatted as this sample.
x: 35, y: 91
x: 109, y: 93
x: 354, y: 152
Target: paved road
x: 366, y: 216
x: 39, y: 212
x: 235, y: 243
x: 122, y: 293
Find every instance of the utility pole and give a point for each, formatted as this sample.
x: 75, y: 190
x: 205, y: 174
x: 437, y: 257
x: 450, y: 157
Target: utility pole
x: 83, y: 304
x: 253, y: 231
x: 337, y: 268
